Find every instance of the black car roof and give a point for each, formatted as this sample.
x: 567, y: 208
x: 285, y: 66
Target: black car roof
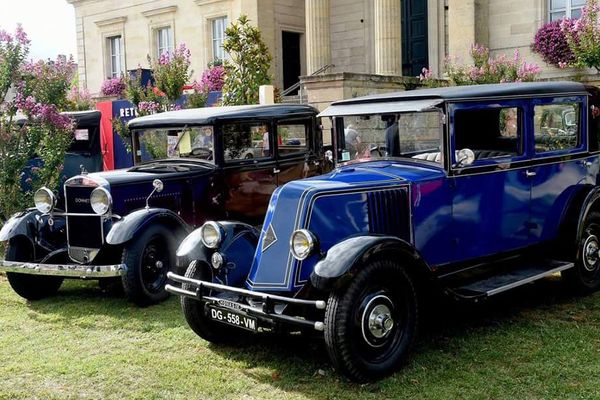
x: 209, y: 115
x: 476, y: 91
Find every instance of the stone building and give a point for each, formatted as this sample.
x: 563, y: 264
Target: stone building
x: 355, y: 46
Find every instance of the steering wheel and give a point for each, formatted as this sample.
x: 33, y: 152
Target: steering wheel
x: 202, y: 152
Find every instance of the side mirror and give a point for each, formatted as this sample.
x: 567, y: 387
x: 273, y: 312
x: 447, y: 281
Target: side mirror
x: 464, y: 158
x: 158, y: 185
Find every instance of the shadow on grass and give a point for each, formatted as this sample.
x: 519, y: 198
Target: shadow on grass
x: 81, y: 303
x: 301, y: 363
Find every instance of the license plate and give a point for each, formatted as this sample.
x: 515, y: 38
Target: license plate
x: 232, y: 318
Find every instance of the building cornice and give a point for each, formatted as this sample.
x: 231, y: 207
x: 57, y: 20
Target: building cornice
x: 206, y: 2
x: 159, y: 11
x: 111, y: 21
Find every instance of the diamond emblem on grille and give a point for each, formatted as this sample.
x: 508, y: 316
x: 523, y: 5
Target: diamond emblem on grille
x: 269, y: 238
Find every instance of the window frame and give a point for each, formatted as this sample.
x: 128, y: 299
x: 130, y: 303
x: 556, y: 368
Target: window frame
x: 568, y: 10
x: 582, y: 142
x: 242, y: 161
x: 170, y: 46
x: 308, y: 125
x: 216, y: 43
x: 118, y: 58
x: 522, y: 134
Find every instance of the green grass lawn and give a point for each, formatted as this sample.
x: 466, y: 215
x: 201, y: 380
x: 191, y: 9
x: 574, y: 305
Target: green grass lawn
x: 537, y: 343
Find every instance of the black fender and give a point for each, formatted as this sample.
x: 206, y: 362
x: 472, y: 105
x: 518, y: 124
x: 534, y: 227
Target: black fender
x: 343, y: 259
x: 126, y: 228
x: 237, y: 248
x: 590, y: 203
x: 21, y: 224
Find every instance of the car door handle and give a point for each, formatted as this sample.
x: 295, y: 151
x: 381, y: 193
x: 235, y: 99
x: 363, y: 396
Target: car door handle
x: 276, y: 170
x: 530, y: 174
x: 586, y: 163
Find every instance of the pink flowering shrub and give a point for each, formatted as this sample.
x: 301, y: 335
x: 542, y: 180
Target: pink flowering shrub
x: 583, y: 36
x: 113, y: 87
x: 148, y: 107
x: 212, y: 79
x: 551, y: 43
x: 172, y: 71
x: 40, y: 94
x: 79, y: 99
x: 485, y: 69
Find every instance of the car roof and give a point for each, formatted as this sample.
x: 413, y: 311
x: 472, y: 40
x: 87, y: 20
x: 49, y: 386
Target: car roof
x: 476, y: 92
x: 209, y: 115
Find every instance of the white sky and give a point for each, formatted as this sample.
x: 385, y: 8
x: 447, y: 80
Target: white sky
x: 50, y: 24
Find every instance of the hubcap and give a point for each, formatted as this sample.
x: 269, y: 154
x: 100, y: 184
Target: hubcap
x: 377, y: 320
x: 590, y: 253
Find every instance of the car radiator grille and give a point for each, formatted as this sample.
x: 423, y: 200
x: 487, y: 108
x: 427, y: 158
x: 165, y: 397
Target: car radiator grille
x: 83, y: 231
x: 389, y: 213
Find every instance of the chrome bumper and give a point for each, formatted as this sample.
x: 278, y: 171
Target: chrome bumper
x: 265, y: 312
x: 64, y: 270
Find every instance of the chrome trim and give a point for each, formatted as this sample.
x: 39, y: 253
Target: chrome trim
x: 108, y: 196
x: 52, y: 197
x: 318, y: 304
x: 530, y: 279
x: 64, y: 270
x: 218, y: 228
x: 310, y: 238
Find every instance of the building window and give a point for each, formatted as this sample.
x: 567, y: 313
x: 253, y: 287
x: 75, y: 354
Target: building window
x: 560, y: 9
x: 164, y: 40
x: 115, y: 56
x: 218, y: 35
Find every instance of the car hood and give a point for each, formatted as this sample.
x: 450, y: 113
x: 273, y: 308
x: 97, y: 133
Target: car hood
x: 365, y: 198
x: 129, y: 176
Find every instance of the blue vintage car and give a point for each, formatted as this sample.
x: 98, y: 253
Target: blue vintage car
x: 191, y: 165
x: 470, y: 191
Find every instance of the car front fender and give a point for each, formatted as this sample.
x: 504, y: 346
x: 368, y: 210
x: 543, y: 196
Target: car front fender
x: 343, y: 259
x: 20, y: 224
x: 238, y: 247
x: 126, y: 228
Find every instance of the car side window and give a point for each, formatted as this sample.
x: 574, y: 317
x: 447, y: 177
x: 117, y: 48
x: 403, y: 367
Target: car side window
x: 292, y: 138
x: 245, y: 141
x: 556, y: 127
x: 489, y: 132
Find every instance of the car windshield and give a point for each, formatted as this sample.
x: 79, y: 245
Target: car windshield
x: 414, y: 135
x: 188, y: 142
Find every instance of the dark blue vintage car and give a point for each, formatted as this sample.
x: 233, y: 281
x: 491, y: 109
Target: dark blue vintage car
x: 471, y: 191
x: 191, y: 165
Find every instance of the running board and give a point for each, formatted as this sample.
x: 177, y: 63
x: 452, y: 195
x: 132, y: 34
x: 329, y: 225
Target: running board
x: 508, y: 280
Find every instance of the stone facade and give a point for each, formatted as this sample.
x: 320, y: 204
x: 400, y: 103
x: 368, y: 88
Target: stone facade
x: 346, y: 36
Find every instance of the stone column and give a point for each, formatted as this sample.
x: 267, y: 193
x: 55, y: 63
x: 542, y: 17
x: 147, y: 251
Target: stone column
x: 467, y: 24
x: 318, y: 38
x: 388, y: 39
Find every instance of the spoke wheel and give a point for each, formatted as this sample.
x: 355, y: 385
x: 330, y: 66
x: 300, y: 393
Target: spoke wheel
x: 585, y: 276
x: 371, y: 324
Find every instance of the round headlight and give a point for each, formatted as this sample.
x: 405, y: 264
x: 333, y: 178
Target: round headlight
x: 302, y: 244
x: 101, y: 201
x: 44, y: 200
x: 211, y: 234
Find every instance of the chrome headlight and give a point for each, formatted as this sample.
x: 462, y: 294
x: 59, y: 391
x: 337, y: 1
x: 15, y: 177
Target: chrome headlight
x: 44, y: 200
x: 101, y: 201
x: 211, y: 234
x: 302, y: 243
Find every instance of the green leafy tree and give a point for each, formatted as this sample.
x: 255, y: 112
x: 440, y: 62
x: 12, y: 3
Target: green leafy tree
x: 248, y: 65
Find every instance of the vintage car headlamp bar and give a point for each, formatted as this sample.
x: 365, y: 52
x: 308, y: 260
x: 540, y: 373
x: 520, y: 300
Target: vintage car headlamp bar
x: 44, y: 200
x: 302, y: 244
x: 211, y: 234
x: 101, y: 201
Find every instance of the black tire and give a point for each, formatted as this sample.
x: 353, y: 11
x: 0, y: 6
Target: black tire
x: 30, y: 287
x: 148, y: 258
x: 194, y: 312
x: 364, y: 352
x: 585, y: 276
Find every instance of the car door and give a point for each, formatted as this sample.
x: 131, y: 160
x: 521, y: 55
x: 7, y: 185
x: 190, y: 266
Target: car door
x: 560, y: 161
x: 249, y: 168
x: 296, y: 157
x: 490, y: 200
